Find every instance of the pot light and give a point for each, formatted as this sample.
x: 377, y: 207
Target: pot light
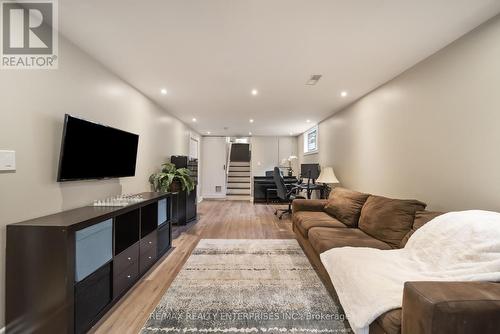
x: 194, y: 119
x: 163, y: 91
x: 291, y: 133
x: 308, y: 121
x: 255, y: 92
x: 249, y: 133
x: 343, y: 93
x: 251, y: 120
x: 208, y: 132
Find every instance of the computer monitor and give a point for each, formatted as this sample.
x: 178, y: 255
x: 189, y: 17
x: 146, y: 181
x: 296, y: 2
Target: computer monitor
x: 310, y: 171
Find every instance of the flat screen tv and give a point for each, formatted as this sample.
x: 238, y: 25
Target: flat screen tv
x: 94, y: 151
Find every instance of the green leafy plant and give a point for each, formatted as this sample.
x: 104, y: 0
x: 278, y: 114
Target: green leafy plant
x: 168, y: 175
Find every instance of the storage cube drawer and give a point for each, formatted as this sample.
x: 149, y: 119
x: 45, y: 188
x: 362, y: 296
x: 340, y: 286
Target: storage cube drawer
x: 147, y: 259
x: 93, y: 248
x: 126, y: 258
x: 123, y: 280
x: 91, y: 296
x: 164, y: 237
x: 149, y: 242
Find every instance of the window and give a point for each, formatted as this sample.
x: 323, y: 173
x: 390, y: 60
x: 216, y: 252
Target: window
x: 311, y: 140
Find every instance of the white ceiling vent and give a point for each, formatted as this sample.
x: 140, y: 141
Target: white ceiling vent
x: 313, y: 79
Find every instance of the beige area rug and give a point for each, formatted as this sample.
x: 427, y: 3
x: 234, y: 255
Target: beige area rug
x: 247, y: 286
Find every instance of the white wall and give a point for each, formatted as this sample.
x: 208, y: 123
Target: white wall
x: 432, y: 133
x: 213, y: 160
x: 268, y: 152
x: 33, y: 103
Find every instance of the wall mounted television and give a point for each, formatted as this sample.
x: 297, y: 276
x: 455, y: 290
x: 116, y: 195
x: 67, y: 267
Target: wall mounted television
x: 94, y: 151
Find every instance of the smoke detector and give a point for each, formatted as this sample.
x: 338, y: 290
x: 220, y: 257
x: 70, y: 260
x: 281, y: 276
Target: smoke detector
x: 313, y: 79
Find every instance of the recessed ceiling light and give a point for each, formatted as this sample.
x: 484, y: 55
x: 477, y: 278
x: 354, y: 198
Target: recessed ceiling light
x: 291, y: 133
x: 194, y: 119
x: 251, y: 120
x: 343, y: 93
x: 308, y: 121
x: 249, y: 133
x: 208, y: 132
x: 163, y: 91
x: 255, y: 92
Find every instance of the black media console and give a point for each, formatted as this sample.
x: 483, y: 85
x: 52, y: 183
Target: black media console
x: 65, y: 271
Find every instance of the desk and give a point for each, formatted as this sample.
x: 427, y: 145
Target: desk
x: 312, y: 187
x: 261, y: 184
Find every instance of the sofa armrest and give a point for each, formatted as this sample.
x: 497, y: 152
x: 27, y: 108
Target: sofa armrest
x: 308, y: 204
x: 451, y: 307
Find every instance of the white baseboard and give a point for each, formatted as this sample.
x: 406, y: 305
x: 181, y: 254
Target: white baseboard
x: 2, y: 330
x: 214, y: 197
x: 209, y: 197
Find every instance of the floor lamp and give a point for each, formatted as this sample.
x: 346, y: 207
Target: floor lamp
x: 327, y: 177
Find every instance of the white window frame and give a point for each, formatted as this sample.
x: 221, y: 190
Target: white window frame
x: 306, y: 140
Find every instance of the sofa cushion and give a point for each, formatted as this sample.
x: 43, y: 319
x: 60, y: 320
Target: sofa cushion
x: 390, y: 321
x: 304, y: 220
x: 387, y: 219
x: 345, y: 205
x: 421, y: 218
x: 323, y: 239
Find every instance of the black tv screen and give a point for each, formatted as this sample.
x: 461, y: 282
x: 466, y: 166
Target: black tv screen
x: 94, y: 151
x: 310, y: 171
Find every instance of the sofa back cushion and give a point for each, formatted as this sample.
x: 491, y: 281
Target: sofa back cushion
x: 387, y: 219
x: 421, y: 218
x: 345, y: 205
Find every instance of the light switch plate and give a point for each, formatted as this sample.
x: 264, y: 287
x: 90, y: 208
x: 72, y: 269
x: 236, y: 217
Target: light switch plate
x: 7, y: 160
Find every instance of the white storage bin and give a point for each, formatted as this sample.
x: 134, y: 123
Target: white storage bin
x: 162, y: 211
x: 94, y: 248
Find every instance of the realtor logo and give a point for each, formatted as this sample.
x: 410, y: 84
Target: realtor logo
x: 29, y: 34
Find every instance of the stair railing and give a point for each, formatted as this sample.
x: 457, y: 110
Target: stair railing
x: 228, y: 162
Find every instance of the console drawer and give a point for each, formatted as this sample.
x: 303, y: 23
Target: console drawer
x: 147, y: 259
x: 123, y: 280
x: 126, y: 258
x: 164, y: 239
x: 148, y: 242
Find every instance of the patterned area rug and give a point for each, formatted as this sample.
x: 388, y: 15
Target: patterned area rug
x: 247, y: 286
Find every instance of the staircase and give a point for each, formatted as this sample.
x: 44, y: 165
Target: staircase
x: 238, y: 181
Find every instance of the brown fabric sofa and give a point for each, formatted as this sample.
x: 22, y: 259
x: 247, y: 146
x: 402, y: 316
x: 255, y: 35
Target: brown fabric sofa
x: 350, y: 218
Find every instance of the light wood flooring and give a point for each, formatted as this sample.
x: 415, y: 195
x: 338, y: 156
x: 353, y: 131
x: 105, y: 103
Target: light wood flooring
x: 217, y: 220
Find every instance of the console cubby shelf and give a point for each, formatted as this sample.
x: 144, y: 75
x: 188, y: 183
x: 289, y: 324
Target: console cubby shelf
x: 65, y: 271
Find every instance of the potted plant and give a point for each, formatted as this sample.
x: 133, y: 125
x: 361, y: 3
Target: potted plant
x: 172, y: 179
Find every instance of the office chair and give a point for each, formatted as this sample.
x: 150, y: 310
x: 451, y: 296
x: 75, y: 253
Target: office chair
x: 284, y: 193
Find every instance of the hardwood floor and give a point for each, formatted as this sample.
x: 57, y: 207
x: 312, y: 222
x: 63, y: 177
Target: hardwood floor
x: 217, y: 220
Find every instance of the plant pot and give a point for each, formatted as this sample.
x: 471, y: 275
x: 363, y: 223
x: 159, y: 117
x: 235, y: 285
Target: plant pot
x: 175, y: 187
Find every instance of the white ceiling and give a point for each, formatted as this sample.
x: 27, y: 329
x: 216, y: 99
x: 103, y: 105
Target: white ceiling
x: 210, y: 54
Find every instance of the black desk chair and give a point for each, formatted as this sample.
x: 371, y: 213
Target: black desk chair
x: 284, y: 193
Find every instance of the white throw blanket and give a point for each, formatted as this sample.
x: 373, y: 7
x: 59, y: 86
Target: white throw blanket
x: 457, y: 246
